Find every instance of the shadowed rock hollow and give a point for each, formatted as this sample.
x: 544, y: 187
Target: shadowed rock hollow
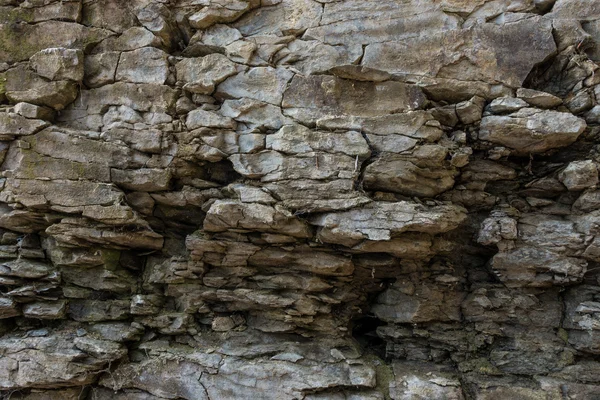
x: 299, y: 199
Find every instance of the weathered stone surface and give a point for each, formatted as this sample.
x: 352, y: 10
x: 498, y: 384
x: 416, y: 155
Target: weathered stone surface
x: 579, y: 175
x: 312, y: 57
x: 140, y: 97
x: 297, y: 139
x: 24, y: 360
x: 272, y: 166
x: 39, y: 11
x: 532, y: 131
x: 286, y: 17
x: 58, y: 64
x: 255, y: 114
x: 32, y: 111
x: 504, y: 105
x: 219, y: 11
x: 18, y: 44
x: 201, y: 75
x: 25, y: 86
x: 8, y: 308
x: 74, y: 232
x: 333, y: 96
x: 262, y: 83
x: 424, y: 381
x: 299, y: 199
x: 100, y: 69
x: 133, y: 38
x: 17, y: 125
x: 144, y: 180
x: 446, y: 56
x: 422, y: 172
x: 383, y: 21
x: 201, y: 118
x: 145, y: 65
x: 422, y: 303
x: 539, y: 99
x: 228, y: 214
x: 45, y: 310
x: 531, y: 267
x: 380, y: 221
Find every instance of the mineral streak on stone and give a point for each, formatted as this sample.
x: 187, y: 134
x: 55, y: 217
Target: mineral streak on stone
x: 299, y: 199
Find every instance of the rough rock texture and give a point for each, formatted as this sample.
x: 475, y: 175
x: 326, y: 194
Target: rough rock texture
x: 299, y: 199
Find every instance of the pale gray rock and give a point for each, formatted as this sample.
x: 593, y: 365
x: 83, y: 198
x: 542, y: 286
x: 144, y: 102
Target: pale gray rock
x: 503, y: 305
x: 12, y: 124
x: 261, y: 83
x: 313, y: 57
x: 144, y: 180
x: 579, y: 175
x: 79, y: 232
x: 420, y: 381
x: 579, y: 102
x: 58, y: 64
x: 383, y: 22
x: 230, y: 214
x: 537, y: 267
x: 380, y: 221
x: 270, y: 166
x: 307, y: 195
x: 531, y: 130
x: 100, y: 69
x: 390, y: 133
x: 287, y: 17
x: 297, y: 139
x: 23, y: 85
x: 45, y: 310
x: 538, y: 99
x: 25, y: 358
x: 219, y: 11
x: 505, y: 105
x: 421, y: 172
x: 133, y: 38
x: 32, y: 111
x: 35, y: 37
x: 436, y: 70
x: 200, y: 118
x: 299, y: 199
x: 333, y: 96
x: 8, y: 308
x: 140, y: 97
x: 145, y: 65
x: 201, y: 75
x: 497, y: 228
x: 218, y: 35
x: 470, y: 111
x: 255, y: 114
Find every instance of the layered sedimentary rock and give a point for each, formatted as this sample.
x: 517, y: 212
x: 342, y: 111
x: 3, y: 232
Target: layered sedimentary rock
x: 299, y: 199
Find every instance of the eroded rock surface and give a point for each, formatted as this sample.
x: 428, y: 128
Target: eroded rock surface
x: 299, y: 199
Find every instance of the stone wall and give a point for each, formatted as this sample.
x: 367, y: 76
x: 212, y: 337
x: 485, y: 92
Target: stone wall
x: 299, y: 199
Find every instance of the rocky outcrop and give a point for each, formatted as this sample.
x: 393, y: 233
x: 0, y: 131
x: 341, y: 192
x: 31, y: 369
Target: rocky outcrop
x: 299, y: 199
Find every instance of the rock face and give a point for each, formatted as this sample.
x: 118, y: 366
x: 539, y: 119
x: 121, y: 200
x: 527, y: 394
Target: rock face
x: 299, y: 199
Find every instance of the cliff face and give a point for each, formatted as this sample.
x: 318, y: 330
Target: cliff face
x: 299, y: 199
